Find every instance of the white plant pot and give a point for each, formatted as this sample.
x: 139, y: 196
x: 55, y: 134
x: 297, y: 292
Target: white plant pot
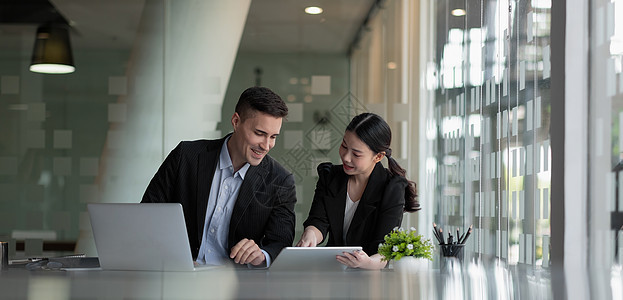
x: 410, y: 264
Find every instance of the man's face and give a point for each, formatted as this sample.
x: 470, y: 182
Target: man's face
x: 253, y: 137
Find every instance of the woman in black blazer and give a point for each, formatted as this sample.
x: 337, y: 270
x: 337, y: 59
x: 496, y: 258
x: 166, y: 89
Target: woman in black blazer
x: 359, y: 202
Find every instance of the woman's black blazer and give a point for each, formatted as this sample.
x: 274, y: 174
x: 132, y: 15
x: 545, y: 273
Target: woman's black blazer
x: 379, y: 211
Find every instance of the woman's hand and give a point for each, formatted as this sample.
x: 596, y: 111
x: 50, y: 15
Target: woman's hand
x: 355, y: 259
x: 360, y: 259
x: 310, y: 238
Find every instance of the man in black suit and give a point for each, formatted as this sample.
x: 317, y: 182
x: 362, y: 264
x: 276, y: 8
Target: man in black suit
x: 238, y: 202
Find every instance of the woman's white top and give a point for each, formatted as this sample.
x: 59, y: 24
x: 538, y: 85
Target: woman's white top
x: 349, y: 212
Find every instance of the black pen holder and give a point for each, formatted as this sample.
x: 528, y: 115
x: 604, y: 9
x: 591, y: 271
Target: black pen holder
x: 451, y: 250
x: 451, y: 256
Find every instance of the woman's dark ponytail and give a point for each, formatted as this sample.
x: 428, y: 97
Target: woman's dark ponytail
x: 411, y: 202
x: 375, y: 132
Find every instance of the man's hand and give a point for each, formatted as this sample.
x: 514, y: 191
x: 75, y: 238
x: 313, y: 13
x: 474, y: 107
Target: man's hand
x: 247, y: 252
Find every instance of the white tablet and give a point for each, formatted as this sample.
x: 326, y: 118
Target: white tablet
x: 310, y: 258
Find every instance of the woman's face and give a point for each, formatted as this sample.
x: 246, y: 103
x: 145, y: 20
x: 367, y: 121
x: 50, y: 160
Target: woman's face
x: 357, y: 157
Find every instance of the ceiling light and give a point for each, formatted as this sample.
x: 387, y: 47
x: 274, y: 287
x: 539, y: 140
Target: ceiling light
x: 313, y: 10
x: 459, y: 12
x: 52, y: 51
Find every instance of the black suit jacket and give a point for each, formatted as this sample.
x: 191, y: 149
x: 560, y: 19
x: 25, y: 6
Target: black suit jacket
x: 380, y: 208
x: 264, y: 209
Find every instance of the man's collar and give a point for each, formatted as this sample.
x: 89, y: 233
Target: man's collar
x: 225, y: 160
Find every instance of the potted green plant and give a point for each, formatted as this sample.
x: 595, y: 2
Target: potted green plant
x: 407, y: 250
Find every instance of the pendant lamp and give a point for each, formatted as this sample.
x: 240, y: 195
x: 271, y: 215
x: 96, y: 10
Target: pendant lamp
x: 52, y: 51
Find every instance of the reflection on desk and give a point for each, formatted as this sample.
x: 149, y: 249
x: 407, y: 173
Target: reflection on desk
x: 492, y: 280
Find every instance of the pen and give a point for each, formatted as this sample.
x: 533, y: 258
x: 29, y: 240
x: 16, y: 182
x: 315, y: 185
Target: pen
x: 467, y: 235
x: 441, y: 233
x: 462, y: 238
x: 436, y: 235
x: 435, y: 232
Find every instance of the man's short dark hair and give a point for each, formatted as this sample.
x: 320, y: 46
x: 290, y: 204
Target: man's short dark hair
x: 260, y: 99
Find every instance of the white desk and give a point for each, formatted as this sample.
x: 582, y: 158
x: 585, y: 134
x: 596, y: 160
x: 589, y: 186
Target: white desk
x: 223, y: 283
x: 465, y: 282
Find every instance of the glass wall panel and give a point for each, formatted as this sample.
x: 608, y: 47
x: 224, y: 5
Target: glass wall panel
x: 383, y: 77
x: 62, y: 135
x: 605, y: 140
x: 379, y: 65
x: 99, y: 134
x: 488, y: 124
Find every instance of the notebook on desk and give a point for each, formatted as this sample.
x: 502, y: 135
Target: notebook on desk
x: 141, y: 236
x: 310, y: 258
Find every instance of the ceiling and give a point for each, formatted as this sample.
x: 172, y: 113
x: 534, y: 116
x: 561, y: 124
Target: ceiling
x: 282, y: 26
x: 273, y: 26
x: 29, y: 11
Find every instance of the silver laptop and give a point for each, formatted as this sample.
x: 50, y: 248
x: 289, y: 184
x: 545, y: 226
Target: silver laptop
x: 145, y: 236
x: 310, y: 258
